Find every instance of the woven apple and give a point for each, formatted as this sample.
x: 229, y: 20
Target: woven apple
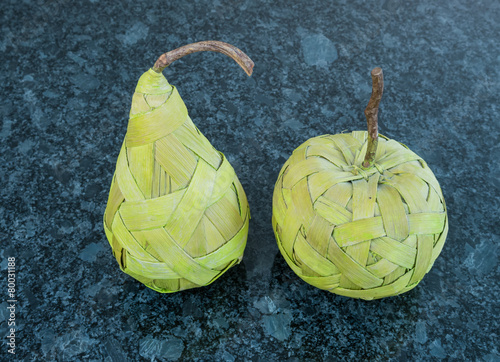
x: 358, y: 215
x: 177, y: 216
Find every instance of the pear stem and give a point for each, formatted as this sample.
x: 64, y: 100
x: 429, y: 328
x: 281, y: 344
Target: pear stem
x: 371, y: 114
x: 210, y: 45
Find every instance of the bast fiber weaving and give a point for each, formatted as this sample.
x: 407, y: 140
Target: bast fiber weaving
x: 358, y: 233
x: 177, y: 216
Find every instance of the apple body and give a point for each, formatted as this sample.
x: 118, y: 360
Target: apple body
x: 362, y: 233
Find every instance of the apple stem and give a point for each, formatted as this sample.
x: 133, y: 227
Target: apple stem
x: 210, y: 45
x: 371, y: 114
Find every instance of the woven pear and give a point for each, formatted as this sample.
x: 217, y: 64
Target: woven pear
x: 362, y: 230
x: 177, y: 216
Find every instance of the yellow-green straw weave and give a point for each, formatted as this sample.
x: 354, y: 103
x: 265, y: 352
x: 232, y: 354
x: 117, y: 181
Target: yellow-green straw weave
x: 177, y: 216
x: 359, y: 233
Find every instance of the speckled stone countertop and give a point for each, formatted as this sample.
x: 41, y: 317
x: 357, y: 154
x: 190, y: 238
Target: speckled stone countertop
x: 68, y: 70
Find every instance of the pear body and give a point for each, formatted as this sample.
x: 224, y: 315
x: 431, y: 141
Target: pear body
x: 359, y: 233
x: 177, y: 216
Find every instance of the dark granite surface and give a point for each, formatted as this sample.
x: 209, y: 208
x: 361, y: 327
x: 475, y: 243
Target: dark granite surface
x: 68, y: 72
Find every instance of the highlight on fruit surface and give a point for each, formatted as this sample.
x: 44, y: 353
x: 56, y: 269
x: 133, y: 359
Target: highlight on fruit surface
x: 177, y: 216
x: 357, y: 214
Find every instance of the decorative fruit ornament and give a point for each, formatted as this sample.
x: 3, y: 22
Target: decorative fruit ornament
x: 357, y: 215
x: 177, y: 216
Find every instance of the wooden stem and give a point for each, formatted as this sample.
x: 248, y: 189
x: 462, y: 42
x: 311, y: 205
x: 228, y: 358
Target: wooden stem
x: 371, y: 114
x: 211, y: 45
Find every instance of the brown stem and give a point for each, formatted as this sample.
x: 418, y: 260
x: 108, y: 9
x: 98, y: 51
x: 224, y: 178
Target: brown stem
x: 371, y: 113
x: 211, y: 45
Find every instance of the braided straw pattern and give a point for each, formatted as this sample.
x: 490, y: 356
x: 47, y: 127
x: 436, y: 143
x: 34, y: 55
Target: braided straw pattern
x: 177, y: 216
x: 359, y: 233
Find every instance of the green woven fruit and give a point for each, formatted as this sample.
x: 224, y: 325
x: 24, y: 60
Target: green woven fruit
x: 357, y: 215
x: 177, y: 216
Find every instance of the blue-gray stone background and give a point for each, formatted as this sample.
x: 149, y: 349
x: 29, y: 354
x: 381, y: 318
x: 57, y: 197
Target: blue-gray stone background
x: 68, y: 70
